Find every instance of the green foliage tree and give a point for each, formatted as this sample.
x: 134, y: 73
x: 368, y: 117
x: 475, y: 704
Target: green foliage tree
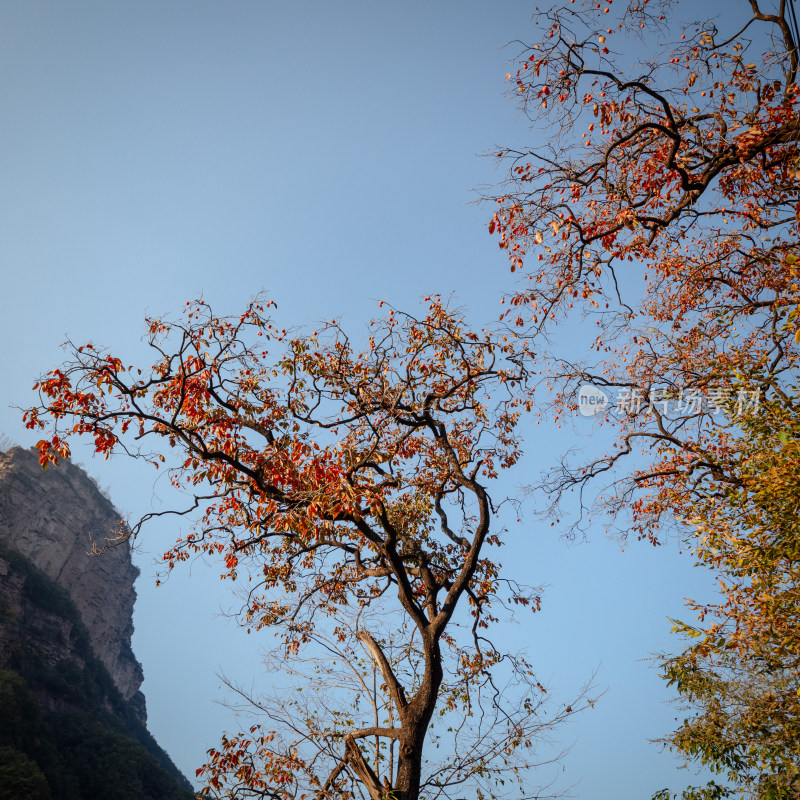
x: 20, y: 712
x: 21, y: 778
x: 740, y: 671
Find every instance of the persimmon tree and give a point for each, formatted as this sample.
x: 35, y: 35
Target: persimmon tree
x: 352, y: 485
x: 659, y: 212
x: 320, y: 694
x: 663, y: 211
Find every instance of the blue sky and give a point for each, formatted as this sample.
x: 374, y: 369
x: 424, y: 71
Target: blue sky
x: 327, y: 153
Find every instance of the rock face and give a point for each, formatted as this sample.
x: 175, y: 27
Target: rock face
x: 52, y: 518
x: 66, y: 732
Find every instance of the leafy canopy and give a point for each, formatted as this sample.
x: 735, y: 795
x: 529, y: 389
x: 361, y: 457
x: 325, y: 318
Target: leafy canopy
x: 351, y: 485
x: 662, y: 209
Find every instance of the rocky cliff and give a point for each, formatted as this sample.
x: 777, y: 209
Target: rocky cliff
x: 72, y: 718
x: 52, y: 518
x: 66, y: 732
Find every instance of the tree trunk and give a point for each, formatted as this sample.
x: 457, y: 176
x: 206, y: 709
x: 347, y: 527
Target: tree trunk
x: 416, y: 720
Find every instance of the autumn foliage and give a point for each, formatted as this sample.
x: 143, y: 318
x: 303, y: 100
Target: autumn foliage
x: 657, y: 217
x: 660, y: 215
x: 740, y: 671
x: 352, y: 485
x: 670, y: 223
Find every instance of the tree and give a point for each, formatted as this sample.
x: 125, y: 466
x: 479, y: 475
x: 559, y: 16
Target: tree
x: 740, y: 671
x: 21, y: 778
x: 671, y: 223
x: 354, y: 486
x: 663, y: 210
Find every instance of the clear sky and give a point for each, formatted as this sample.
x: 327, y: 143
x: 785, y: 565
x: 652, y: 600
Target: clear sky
x: 327, y: 153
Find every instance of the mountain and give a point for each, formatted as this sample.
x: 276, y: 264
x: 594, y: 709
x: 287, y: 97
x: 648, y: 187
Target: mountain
x: 72, y: 716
